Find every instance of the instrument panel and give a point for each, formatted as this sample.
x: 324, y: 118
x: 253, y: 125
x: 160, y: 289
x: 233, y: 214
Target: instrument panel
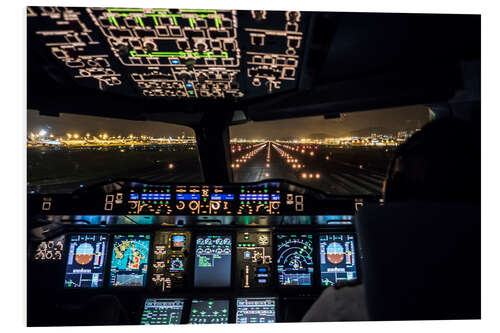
x: 175, y: 260
x: 205, y: 200
x: 275, y: 241
x: 272, y: 199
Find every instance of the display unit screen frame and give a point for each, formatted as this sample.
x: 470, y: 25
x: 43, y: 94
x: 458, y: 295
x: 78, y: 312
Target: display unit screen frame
x: 145, y: 269
x: 199, y: 300
x: 165, y: 299
x: 275, y: 307
x: 197, y: 271
x: 104, y: 267
x: 311, y: 236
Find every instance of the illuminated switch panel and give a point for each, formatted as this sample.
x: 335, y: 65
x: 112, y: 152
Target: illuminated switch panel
x: 258, y: 200
x: 170, y: 253
x: 49, y: 250
x: 74, y: 41
x: 174, y: 53
x: 254, y: 256
x: 273, y: 55
x: 150, y: 200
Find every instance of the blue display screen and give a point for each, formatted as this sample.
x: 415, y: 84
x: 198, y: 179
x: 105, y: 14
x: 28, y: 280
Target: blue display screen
x: 188, y: 196
x: 295, y: 259
x: 275, y: 197
x: 134, y: 196
x: 222, y: 197
x: 336, y: 258
x: 254, y: 197
x: 86, y: 260
x: 129, y: 262
x: 213, y: 261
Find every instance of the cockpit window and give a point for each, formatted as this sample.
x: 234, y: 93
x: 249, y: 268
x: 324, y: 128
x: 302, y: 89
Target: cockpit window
x: 348, y: 155
x: 68, y: 152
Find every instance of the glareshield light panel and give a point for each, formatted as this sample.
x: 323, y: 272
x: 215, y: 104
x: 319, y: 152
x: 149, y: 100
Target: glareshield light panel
x: 213, y: 261
x: 129, y: 264
x: 162, y: 311
x: 337, y: 258
x: 209, y: 312
x: 255, y: 310
x: 295, y: 259
x: 86, y: 260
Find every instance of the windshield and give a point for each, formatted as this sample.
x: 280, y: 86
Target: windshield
x: 348, y: 155
x: 73, y: 151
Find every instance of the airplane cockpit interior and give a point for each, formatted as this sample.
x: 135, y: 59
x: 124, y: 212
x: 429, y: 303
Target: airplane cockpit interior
x: 203, y: 166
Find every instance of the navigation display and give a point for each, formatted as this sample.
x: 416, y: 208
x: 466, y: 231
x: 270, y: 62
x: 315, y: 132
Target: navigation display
x: 295, y: 259
x: 162, y: 311
x: 336, y: 257
x: 255, y: 310
x: 129, y: 263
x: 209, y: 312
x: 213, y: 261
x: 86, y: 260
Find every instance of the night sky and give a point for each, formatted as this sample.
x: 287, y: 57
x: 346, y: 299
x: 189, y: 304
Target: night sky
x: 391, y: 120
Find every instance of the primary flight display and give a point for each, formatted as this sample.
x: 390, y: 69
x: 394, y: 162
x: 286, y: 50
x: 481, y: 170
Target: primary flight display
x: 336, y: 258
x: 86, y: 260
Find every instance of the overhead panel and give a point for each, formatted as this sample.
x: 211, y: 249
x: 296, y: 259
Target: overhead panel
x: 173, y: 53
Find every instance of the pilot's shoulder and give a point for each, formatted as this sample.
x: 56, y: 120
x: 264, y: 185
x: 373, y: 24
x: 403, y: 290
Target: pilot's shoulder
x: 343, y: 304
